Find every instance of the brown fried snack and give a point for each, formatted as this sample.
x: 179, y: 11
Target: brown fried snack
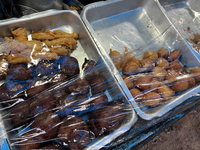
x: 60, y: 50
x: 196, y: 74
x: 151, y: 55
x: 171, y: 76
x: 180, y: 85
x: 146, y: 64
x: 176, y: 66
x: 190, y: 79
x: 69, y: 42
x: 159, y: 73
x: 165, y: 91
x: 143, y: 81
x: 137, y: 94
x: 152, y: 99
x: 130, y: 68
x: 17, y: 58
x: 128, y: 81
x: 20, y: 34
x: 129, y: 57
x: 116, y: 58
x: 161, y: 62
x: 62, y: 34
x: 174, y: 55
x: 154, y: 84
x: 163, y: 52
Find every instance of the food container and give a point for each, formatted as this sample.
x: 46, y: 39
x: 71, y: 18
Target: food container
x: 140, y: 26
x: 184, y: 14
x: 68, y: 21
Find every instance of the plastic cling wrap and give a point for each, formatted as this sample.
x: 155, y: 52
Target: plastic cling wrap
x: 57, y: 92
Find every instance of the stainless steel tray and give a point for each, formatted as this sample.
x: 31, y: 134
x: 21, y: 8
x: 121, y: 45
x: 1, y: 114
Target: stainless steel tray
x: 70, y: 21
x: 139, y: 25
x: 184, y: 14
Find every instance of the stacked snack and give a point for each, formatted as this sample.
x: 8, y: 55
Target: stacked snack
x: 157, y: 77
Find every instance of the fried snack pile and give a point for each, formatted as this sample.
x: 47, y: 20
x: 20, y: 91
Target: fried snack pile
x: 45, y: 45
x: 157, y: 77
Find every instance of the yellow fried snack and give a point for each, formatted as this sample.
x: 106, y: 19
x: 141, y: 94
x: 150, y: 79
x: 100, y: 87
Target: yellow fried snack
x: 116, y: 58
x: 60, y: 50
x: 43, y: 35
x: 128, y: 56
x: 69, y: 42
x: 165, y: 92
x: 20, y: 34
x: 152, y: 99
x: 63, y: 34
x: 17, y: 58
x: 151, y: 55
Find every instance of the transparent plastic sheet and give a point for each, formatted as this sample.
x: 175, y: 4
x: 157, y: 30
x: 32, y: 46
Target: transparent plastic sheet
x: 184, y: 14
x: 57, y: 91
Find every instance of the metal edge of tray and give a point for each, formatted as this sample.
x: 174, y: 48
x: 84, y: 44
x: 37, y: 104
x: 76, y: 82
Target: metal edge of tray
x: 143, y: 115
x: 105, y: 140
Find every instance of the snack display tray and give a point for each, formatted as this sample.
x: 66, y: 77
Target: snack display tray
x: 70, y: 21
x: 184, y: 15
x: 139, y: 25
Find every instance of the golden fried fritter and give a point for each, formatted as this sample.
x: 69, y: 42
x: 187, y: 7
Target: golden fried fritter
x: 20, y: 34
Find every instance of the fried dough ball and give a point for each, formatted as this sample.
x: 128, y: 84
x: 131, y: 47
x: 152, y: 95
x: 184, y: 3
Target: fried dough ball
x: 147, y: 64
x: 154, y: 84
x: 176, y: 66
x: 180, y: 85
x: 163, y: 52
x: 190, y: 79
x: 165, y: 92
x: 152, y: 99
x: 151, y: 55
x: 161, y: 62
x: 116, y: 58
x: 171, y: 76
x: 75, y: 133
x: 159, y: 73
x: 47, y: 123
x: 128, y: 56
x: 128, y: 81
x: 174, y: 55
x: 130, y: 68
x: 196, y: 74
x: 137, y: 94
x: 143, y: 81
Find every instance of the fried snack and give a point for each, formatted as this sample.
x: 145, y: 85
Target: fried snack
x: 176, y: 66
x: 3, y: 68
x: 163, y: 52
x: 69, y: 42
x: 165, y: 92
x: 190, y: 79
x: 196, y: 74
x: 20, y: 34
x: 171, y: 76
x: 180, y: 85
x: 161, y: 62
x: 159, y: 73
x: 116, y: 58
x: 151, y: 55
x: 174, y: 55
x: 17, y: 58
x: 48, y: 35
x: 137, y: 94
x: 60, y: 50
x: 143, y: 81
x: 130, y: 68
x: 63, y: 34
x: 146, y: 64
x: 128, y: 56
x: 154, y: 84
x: 128, y: 81
x: 152, y: 99
x: 45, y: 56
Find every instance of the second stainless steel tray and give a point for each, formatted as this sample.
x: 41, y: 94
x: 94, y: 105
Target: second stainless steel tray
x: 139, y: 25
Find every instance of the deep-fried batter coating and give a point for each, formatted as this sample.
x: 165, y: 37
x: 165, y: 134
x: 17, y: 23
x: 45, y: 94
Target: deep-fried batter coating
x: 17, y: 58
x: 190, y: 79
x: 128, y: 56
x: 137, y: 94
x: 60, y: 50
x: 20, y: 34
x: 69, y: 42
x: 159, y: 73
x: 63, y: 34
x: 154, y: 84
x: 128, y: 81
x: 130, y: 68
x: 171, y: 76
x: 196, y: 74
x: 152, y: 99
x: 174, y: 55
x: 163, y: 52
x: 176, y: 66
x: 116, y: 58
x: 161, y: 62
x: 165, y: 92
x: 48, y: 35
x: 151, y: 55
x: 146, y: 64
x: 180, y: 85
x: 143, y: 81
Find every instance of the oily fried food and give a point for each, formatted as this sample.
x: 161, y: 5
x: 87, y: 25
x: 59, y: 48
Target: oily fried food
x: 17, y: 58
x: 152, y: 99
x: 147, y: 64
x: 176, y: 66
x: 190, y: 79
x: 20, y: 34
x: 137, y: 94
x: 69, y: 42
x: 116, y: 58
x: 174, y: 55
x: 130, y: 68
x: 161, y: 62
x: 165, y: 92
x: 151, y: 55
x: 128, y: 81
x: 60, y: 50
x: 159, y: 73
x: 171, y: 76
x: 163, y: 52
x: 154, y: 84
x: 128, y: 56
x: 196, y: 74
x: 180, y: 85
x: 143, y: 81
x: 48, y: 35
